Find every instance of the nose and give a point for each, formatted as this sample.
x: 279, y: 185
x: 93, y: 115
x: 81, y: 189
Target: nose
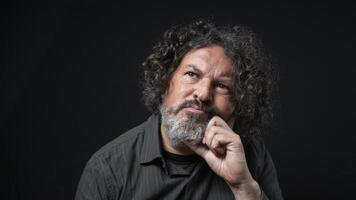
x: 203, y: 91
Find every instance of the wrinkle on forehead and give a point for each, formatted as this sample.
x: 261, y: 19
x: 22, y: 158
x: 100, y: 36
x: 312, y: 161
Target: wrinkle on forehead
x: 213, y: 61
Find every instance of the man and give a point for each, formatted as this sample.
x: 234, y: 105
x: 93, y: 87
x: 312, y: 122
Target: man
x: 209, y: 89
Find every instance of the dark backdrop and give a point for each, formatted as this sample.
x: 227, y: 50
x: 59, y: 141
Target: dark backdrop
x: 69, y: 84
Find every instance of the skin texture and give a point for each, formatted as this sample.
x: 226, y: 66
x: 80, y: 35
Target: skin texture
x: 207, y: 74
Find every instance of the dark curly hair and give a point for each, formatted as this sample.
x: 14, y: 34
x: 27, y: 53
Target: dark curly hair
x: 254, y: 80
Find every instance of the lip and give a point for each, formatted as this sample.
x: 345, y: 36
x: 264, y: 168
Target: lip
x: 194, y: 110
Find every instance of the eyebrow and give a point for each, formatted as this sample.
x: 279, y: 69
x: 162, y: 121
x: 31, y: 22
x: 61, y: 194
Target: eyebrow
x: 195, y: 68
x: 223, y: 78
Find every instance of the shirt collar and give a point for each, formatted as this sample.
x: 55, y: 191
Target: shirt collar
x: 151, y: 147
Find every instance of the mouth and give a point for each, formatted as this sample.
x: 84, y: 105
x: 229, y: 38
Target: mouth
x: 195, y: 109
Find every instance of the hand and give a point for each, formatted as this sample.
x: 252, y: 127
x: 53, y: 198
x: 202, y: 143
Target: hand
x: 223, y: 151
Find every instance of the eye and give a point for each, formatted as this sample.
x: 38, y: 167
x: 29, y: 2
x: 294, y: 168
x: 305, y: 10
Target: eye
x: 191, y: 74
x: 222, y: 86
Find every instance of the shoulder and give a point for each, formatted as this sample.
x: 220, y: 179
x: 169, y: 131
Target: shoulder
x: 262, y: 168
x: 107, y: 165
x: 115, y: 149
x: 255, y: 146
x: 256, y: 152
x: 103, y: 173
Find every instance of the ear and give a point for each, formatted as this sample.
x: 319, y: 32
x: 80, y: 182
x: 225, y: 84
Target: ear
x: 163, y: 95
x: 169, y: 85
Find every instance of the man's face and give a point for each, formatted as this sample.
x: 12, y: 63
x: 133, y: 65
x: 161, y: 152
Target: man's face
x: 200, y: 88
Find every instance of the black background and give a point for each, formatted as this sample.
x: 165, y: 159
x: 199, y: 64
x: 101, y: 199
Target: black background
x: 69, y: 84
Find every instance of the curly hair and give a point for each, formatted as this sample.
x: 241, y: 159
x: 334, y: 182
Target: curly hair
x: 254, y: 77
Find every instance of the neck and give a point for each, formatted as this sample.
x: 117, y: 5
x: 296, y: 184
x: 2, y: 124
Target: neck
x: 167, y: 145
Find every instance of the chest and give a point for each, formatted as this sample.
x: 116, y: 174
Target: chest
x: 155, y: 182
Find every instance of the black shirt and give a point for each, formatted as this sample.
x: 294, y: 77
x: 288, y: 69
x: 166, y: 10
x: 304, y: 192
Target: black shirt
x: 180, y: 165
x: 133, y: 166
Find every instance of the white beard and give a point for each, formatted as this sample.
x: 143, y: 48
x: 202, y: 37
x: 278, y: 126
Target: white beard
x: 183, y: 129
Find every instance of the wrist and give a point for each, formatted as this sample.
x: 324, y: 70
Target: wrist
x: 247, y: 191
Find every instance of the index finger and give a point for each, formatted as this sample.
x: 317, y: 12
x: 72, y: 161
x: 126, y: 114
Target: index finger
x: 217, y: 121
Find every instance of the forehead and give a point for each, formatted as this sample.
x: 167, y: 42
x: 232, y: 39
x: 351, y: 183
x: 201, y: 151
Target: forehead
x: 211, y: 60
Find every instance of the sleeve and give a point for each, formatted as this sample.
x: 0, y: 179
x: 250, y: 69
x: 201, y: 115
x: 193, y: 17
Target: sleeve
x: 96, y: 182
x: 268, y: 179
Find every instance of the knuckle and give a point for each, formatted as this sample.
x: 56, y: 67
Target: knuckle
x: 213, y: 129
x: 215, y: 117
x: 237, y: 136
x: 238, y: 140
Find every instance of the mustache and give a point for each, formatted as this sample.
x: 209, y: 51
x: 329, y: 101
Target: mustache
x: 207, y: 108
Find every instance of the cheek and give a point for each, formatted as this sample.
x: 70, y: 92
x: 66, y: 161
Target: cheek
x: 176, y: 94
x: 225, y: 106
